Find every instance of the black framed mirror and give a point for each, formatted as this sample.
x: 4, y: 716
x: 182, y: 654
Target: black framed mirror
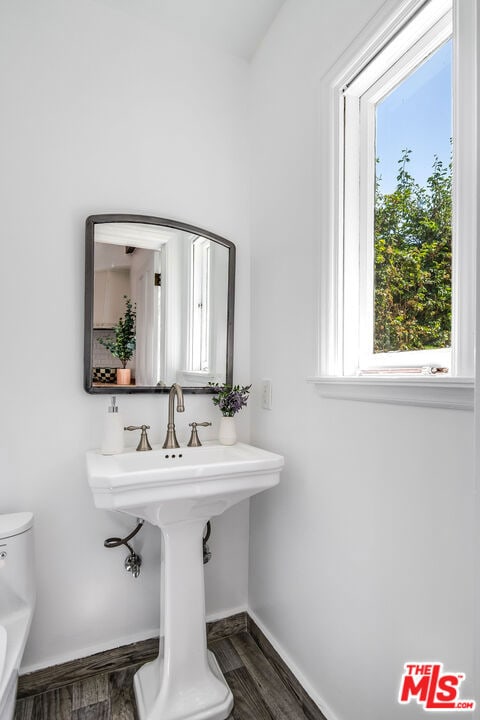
x: 159, y: 305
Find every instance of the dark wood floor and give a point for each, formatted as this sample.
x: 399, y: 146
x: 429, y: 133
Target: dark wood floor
x: 259, y: 691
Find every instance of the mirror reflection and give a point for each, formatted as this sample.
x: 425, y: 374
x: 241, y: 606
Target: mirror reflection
x: 159, y: 305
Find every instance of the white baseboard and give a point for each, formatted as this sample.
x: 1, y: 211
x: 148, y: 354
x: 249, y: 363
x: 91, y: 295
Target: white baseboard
x: 222, y: 614
x: 152, y: 633
x: 89, y: 650
x: 307, y: 686
x: 117, y: 642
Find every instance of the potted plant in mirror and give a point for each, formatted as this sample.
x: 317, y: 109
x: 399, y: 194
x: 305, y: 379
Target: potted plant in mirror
x: 123, y: 345
x: 230, y: 400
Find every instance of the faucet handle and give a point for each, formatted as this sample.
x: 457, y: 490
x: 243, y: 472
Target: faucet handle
x: 194, y: 439
x: 143, y: 444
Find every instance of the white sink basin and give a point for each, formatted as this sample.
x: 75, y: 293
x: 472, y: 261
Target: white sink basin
x: 165, y: 486
x: 179, y: 491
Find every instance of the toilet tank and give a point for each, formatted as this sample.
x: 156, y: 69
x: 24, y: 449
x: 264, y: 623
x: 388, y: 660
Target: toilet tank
x: 17, y: 587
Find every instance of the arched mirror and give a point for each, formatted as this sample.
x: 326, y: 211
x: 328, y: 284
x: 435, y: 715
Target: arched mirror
x: 159, y: 302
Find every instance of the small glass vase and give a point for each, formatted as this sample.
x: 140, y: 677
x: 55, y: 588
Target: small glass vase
x: 228, y: 432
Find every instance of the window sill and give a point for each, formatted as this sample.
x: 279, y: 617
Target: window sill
x: 449, y: 393
x: 197, y: 377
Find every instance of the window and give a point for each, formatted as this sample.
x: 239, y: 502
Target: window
x: 399, y: 215
x: 397, y: 253
x: 200, y: 305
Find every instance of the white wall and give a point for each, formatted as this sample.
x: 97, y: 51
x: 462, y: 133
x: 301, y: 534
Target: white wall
x: 476, y: 632
x: 361, y: 559
x: 102, y: 111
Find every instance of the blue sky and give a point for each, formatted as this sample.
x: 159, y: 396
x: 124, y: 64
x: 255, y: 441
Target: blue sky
x: 416, y: 115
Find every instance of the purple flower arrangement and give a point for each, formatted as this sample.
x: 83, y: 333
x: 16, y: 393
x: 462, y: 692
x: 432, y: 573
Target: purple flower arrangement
x: 230, y: 399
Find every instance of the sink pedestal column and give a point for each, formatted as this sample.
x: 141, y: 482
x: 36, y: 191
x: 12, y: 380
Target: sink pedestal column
x: 184, y: 682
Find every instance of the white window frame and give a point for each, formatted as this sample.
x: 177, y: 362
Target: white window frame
x: 360, y: 111
x: 200, y: 292
x: 335, y: 377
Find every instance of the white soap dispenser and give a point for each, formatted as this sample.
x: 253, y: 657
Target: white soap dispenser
x: 112, y: 442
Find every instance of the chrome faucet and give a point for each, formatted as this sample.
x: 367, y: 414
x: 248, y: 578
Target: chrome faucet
x: 171, y: 438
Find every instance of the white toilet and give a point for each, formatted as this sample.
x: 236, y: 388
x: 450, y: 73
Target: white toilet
x: 17, y: 599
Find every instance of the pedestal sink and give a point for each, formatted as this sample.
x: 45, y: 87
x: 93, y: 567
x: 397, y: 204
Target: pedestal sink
x: 179, y: 491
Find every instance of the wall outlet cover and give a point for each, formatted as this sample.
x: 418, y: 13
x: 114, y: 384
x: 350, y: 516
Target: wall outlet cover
x: 267, y: 394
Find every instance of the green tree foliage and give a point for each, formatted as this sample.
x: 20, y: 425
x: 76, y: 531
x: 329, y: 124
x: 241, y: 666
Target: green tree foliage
x: 413, y: 261
x: 123, y: 346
